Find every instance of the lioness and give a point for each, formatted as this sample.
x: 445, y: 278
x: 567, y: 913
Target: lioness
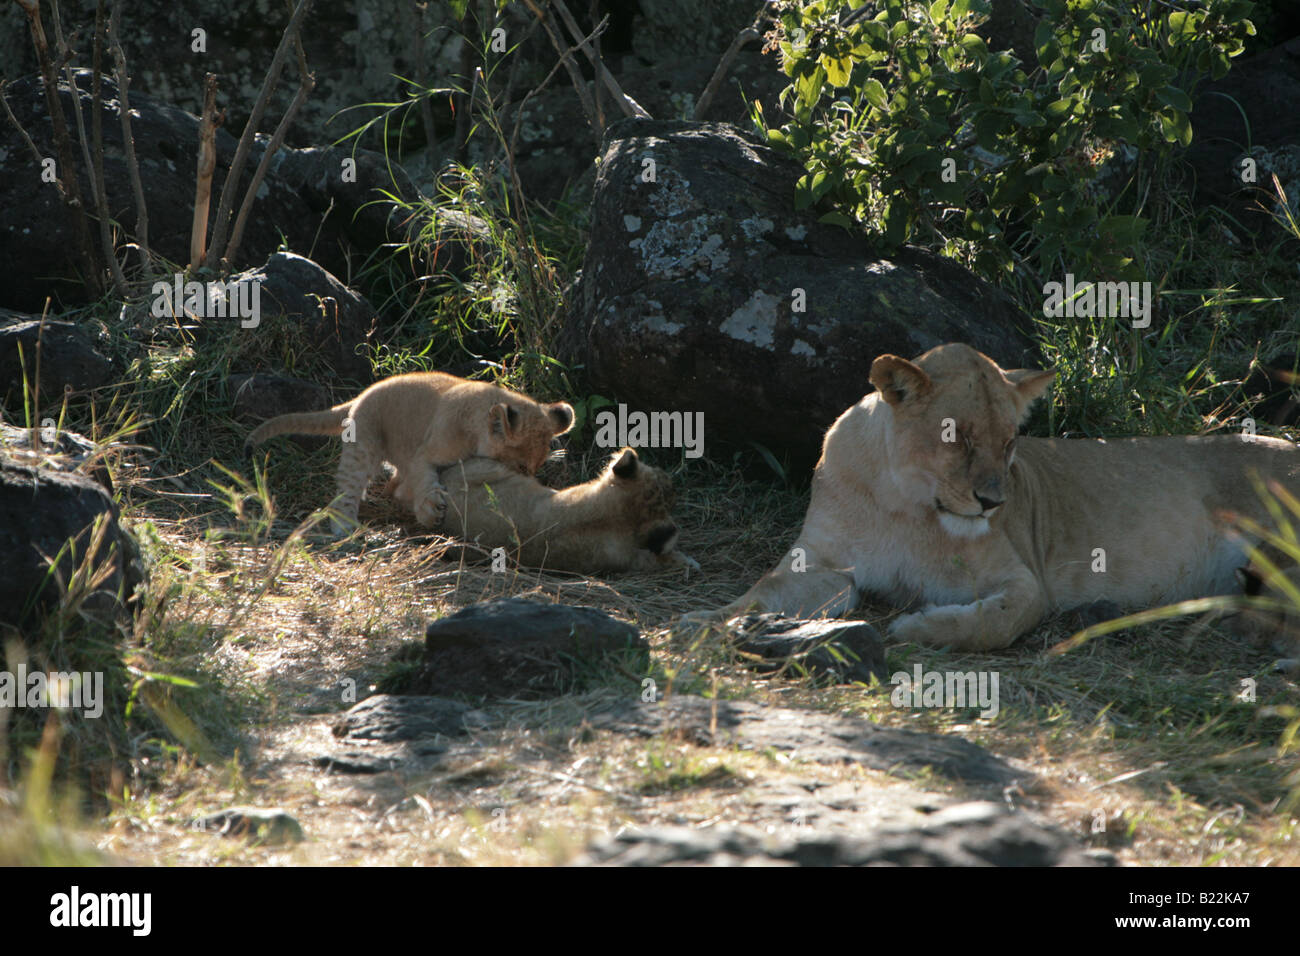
x: 617, y: 522
x: 924, y: 493
x: 419, y: 422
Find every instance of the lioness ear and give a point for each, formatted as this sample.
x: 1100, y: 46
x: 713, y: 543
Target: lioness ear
x: 561, y: 415
x: 504, y: 419
x: 1030, y: 384
x: 625, y: 466
x: 898, y: 379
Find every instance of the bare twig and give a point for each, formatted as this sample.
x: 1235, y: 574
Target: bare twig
x: 222, y: 225
x: 63, y: 147
x: 628, y: 105
x: 97, y: 128
x: 307, y: 82
x: 747, y: 35
x: 519, y: 110
x: 579, y: 84
x: 36, y: 153
x: 128, y: 141
x: 305, y: 86
x: 66, y: 53
x: 208, y: 123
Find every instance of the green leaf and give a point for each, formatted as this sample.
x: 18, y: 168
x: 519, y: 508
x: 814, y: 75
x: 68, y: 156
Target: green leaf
x: 836, y: 219
x: 937, y: 11
x: 1173, y: 96
x: 874, y: 93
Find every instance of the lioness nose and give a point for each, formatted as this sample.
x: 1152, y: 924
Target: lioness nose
x: 988, y: 504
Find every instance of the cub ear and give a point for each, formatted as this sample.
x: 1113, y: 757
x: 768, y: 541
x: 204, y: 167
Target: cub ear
x: 898, y: 379
x: 1030, y: 384
x: 561, y: 415
x: 625, y: 465
x: 504, y: 419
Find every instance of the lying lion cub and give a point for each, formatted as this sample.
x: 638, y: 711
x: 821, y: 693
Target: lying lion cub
x: 420, y: 422
x: 924, y: 493
x: 617, y: 522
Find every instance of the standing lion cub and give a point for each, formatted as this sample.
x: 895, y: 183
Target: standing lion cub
x: 924, y: 495
x: 418, y: 423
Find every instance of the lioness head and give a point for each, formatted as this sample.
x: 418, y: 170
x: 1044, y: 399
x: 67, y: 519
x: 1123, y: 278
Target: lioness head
x: 647, y: 501
x: 520, y: 433
x: 952, y: 430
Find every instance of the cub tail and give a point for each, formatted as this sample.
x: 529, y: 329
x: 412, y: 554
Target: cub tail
x: 329, y: 422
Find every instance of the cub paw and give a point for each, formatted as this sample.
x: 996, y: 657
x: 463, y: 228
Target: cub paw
x: 432, y: 509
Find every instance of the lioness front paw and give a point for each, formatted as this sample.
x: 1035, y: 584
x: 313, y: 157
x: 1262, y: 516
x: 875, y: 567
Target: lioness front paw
x: 910, y: 628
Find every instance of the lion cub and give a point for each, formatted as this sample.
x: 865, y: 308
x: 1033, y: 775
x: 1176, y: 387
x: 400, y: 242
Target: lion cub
x: 419, y: 422
x: 616, y: 522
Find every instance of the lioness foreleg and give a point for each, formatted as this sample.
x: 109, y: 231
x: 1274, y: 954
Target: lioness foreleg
x: 986, y: 624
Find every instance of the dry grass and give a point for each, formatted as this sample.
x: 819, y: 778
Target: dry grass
x: 1141, y: 730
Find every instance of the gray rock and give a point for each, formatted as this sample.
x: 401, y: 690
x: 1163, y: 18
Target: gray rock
x: 1254, y: 105
x: 59, y: 450
x: 687, y: 295
x: 257, y: 396
x: 518, y: 648
x: 70, y: 359
x: 328, y: 319
x: 266, y: 826
x: 390, y: 718
x: 969, y: 834
x: 844, y: 651
x: 41, y: 509
x: 808, y: 736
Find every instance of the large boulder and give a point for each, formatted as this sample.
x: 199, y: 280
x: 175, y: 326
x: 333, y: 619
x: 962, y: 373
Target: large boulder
x: 1249, y: 114
x: 42, y: 509
x: 69, y: 358
x: 523, y: 649
x: 705, y: 291
x: 36, y: 235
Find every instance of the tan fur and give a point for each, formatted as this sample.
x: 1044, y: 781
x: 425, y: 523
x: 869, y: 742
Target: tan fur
x: 619, y: 521
x: 990, y: 533
x: 420, y: 422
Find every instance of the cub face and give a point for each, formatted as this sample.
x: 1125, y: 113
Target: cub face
x: 647, y: 501
x: 952, y: 434
x: 520, y: 434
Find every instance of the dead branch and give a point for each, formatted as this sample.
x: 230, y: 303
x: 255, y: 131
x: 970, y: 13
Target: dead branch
x: 594, y: 119
x: 305, y: 86
x: 36, y: 153
x: 221, y: 226
x: 97, y: 130
x: 629, y: 106
x: 747, y: 35
x: 66, y: 53
x: 132, y: 164
x: 208, y: 123
x: 519, y: 110
x: 71, y: 190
